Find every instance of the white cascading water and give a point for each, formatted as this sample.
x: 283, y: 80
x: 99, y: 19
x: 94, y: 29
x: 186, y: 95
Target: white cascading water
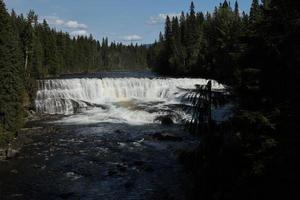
x: 115, y: 100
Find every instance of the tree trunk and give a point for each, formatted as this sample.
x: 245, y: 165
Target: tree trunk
x: 26, y: 59
x: 209, y: 86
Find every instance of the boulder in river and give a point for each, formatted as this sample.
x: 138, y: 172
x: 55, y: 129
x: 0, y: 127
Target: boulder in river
x: 165, y: 137
x: 11, y: 153
x: 165, y: 120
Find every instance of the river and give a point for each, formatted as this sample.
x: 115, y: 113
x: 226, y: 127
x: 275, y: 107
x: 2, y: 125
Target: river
x: 106, y: 140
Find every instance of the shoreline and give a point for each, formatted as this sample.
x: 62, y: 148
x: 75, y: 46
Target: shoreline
x: 32, y: 124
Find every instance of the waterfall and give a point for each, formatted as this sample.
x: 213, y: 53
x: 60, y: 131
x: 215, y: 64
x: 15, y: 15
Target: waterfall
x: 68, y: 96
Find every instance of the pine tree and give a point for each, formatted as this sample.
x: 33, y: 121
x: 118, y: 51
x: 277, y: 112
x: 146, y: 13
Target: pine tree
x: 236, y: 9
x: 27, y: 39
x: 167, y: 51
x: 225, y: 4
x: 105, y: 52
x: 182, y: 22
x: 266, y: 4
x: 192, y: 37
x: 255, y: 12
x: 176, y: 57
x: 11, y: 90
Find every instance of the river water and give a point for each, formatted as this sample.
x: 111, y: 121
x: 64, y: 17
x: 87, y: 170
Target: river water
x: 106, y: 142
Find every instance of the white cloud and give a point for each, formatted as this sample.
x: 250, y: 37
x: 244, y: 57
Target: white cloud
x: 71, y: 24
x: 59, y: 22
x: 161, y: 18
x: 75, y: 28
x: 75, y: 25
x: 79, y: 33
x: 54, y: 20
x: 132, y: 38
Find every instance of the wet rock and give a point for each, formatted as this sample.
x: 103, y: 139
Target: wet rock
x: 118, y: 131
x: 14, y: 171
x: 73, y: 176
x: 111, y: 173
x: 138, y: 143
x: 139, y: 163
x: 121, y: 144
x: 36, y: 166
x: 165, y: 120
x: 165, y: 137
x: 16, y: 195
x: 14, y: 146
x: 11, y: 153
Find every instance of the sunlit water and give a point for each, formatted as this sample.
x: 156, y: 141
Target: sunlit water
x: 135, y: 101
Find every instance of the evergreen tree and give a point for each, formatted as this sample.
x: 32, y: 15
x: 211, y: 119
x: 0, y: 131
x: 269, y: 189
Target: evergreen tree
x: 255, y: 12
x: 11, y: 90
x: 167, y: 51
x: 236, y: 10
x: 191, y: 35
x: 27, y: 39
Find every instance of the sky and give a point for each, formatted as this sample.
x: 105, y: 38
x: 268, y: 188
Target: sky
x: 126, y: 21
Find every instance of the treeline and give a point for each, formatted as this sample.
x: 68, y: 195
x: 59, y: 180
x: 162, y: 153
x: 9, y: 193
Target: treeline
x: 205, y: 44
x: 50, y: 52
x: 30, y: 50
x: 255, y: 153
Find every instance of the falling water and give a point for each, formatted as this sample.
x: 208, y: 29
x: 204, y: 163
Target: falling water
x: 120, y: 100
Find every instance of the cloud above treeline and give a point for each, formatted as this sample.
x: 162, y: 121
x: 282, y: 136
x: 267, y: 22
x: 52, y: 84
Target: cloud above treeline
x: 75, y: 25
x: 76, y: 28
x: 161, y: 18
x: 79, y: 33
x: 71, y: 24
x: 132, y: 38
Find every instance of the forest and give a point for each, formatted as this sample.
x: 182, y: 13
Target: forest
x: 254, y: 154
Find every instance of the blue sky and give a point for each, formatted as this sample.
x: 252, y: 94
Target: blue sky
x: 120, y: 20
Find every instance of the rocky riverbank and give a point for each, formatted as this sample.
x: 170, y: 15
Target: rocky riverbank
x: 13, y: 144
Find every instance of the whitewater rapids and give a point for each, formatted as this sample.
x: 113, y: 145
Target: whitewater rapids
x: 116, y: 100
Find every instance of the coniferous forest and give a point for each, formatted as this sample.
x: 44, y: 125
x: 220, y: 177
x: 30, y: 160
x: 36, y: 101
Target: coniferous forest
x: 252, y: 155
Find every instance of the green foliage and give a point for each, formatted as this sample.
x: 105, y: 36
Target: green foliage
x: 11, y: 88
x: 201, y: 101
x: 47, y: 52
x: 198, y: 45
x: 258, y: 56
x: 5, y: 137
